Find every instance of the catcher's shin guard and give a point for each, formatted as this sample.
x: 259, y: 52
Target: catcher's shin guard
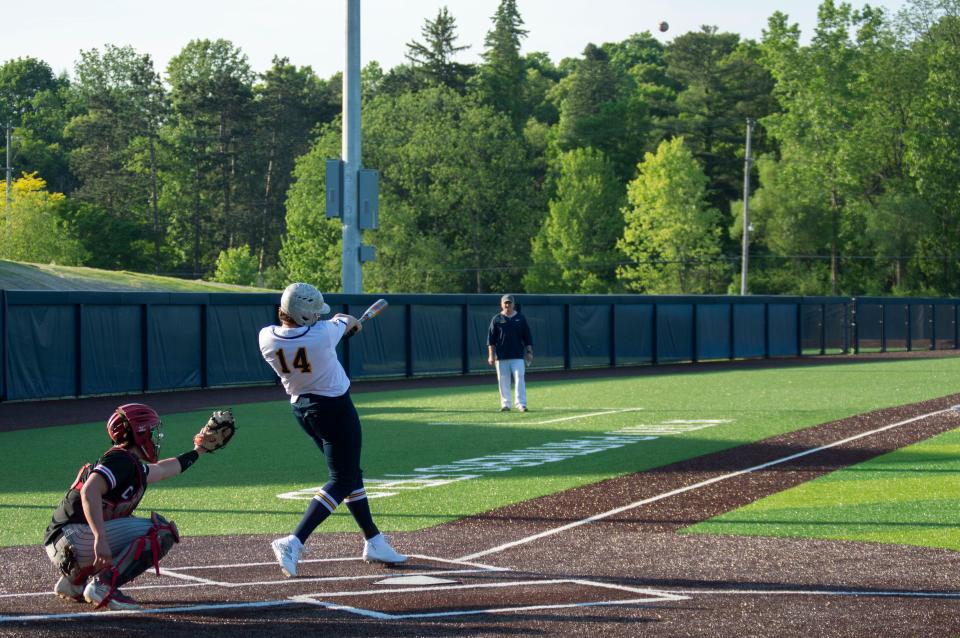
x: 145, y: 551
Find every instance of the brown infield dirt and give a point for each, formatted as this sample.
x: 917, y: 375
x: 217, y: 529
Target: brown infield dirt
x: 631, y: 573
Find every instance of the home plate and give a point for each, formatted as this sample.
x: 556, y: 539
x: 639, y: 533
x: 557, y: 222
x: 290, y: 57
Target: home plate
x: 414, y: 580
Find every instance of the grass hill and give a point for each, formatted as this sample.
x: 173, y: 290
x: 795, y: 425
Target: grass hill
x: 16, y: 275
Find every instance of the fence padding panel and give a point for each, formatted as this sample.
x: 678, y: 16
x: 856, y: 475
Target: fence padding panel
x: 436, y: 336
x: 783, y: 330
x: 233, y: 354
x: 478, y: 323
x: 634, y: 333
x: 111, y: 352
x: 546, y: 328
x: 381, y: 349
x: 173, y: 336
x: 713, y: 331
x: 589, y: 335
x: 675, y: 332
x: 44, y: 362
x: 749, y: 330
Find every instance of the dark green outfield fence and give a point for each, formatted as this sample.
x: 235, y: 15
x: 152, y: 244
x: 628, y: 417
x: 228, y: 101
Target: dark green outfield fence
x: 68, y: 344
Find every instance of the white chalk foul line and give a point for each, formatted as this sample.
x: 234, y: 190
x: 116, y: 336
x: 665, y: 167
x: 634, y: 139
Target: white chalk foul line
x: 815, y: 592
x: 695, y: 486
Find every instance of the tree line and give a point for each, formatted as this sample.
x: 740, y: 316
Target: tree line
x: 620, y: 170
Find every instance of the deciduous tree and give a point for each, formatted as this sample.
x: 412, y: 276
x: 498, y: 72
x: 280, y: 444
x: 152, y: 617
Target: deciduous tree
x: 671, y: 233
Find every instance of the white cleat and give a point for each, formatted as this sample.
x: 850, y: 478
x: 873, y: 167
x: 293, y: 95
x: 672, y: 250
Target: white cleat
x: 287, y: 550
x: 68, y: 591
x: 97, y: 591
x: 378, y: 550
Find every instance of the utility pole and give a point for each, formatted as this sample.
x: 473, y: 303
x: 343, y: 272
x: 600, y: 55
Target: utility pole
x: 351, y: 273
x: 9, y: 170
x: 745, y: 255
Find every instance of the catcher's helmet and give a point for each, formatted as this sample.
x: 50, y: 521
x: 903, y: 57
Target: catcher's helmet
x: 303, y: 304
x: 139, y: 424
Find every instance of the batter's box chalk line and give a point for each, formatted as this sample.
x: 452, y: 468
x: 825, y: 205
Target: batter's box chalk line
x: 646, y: 596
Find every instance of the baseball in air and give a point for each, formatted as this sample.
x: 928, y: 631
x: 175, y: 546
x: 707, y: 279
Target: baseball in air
x: 664, y: 26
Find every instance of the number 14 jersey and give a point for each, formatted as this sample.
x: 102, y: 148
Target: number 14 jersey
x: 305, y: 358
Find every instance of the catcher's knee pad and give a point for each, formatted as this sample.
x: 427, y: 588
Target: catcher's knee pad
x: 146, y: 551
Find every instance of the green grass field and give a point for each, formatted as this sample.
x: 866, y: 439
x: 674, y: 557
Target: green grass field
x: 909, y: 496
x: 410, y: 434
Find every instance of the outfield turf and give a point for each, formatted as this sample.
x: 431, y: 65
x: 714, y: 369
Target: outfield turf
x: 407, y: 432
x: 909, y: 496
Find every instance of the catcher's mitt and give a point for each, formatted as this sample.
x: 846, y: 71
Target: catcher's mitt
x: 217, y: 431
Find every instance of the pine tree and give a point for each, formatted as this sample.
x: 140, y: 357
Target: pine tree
x: 503, y: 72
x: 434, y: 57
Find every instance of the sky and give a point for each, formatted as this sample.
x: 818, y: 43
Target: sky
x: 312, y: 33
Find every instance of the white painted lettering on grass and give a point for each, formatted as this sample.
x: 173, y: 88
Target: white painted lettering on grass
x: 554, y: 452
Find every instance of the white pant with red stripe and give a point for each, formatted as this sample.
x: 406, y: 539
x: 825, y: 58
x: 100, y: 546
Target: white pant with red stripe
x: 120, y: 533
x: 507, y: 370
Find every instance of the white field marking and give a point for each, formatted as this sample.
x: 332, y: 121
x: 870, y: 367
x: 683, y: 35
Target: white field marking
x: 205, y: 581
x: 333, y: 579
x: 545, y: 422
x: 302, y: 598
x: 476, y: 569
x: 283, y: 581
x: 141, y: 612
x: 676, y: 426
x: 414, y: 580
x: 492, y: 568
x: 272, y: 562
x: 817, y: 592
x: 688, y: 488
x: 375, y: 487
x: 651, y: 596
x: 369, y: 613
x: 553, y: 452
x: 505, y: 610
x: 501, y: 584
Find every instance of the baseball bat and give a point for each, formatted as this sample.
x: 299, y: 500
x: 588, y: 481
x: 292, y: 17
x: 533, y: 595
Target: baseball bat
x: 375, y: 309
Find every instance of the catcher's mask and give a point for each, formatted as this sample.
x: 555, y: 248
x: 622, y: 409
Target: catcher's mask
x: 137, y: 423
x: 303, y: 304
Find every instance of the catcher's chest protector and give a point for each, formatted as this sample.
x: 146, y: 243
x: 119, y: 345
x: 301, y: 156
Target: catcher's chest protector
x: 123, y: 499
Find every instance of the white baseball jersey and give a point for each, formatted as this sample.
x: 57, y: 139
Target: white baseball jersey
x: 305, y: 359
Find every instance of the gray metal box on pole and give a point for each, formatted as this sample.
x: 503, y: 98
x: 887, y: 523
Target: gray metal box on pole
x: 367, y: 253
x: 334, y: 188
x: 368, y: 195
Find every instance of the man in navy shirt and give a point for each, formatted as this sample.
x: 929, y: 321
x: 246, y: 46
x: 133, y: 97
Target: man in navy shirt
x: 510, y: 351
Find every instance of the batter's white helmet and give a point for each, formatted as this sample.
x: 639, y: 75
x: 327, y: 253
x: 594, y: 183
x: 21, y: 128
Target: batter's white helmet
x: 303, y: 303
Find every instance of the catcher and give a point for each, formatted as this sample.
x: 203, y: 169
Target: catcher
x: 93, y: 538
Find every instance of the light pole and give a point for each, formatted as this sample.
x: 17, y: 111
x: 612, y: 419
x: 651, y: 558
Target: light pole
x: 745, y: 254
x: 352, y: 275
x: 9, y: 170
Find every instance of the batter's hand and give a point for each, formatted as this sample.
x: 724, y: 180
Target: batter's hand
x: 353, y: 324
